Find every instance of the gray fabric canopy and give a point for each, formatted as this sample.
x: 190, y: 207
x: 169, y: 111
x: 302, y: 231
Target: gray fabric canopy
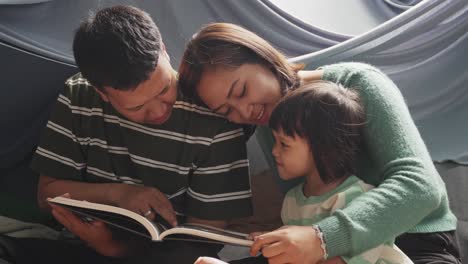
x: 423, y: 49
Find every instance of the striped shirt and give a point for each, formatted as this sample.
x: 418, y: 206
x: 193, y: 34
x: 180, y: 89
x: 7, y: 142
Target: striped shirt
x: 197, y: 158
x: 306, y: 211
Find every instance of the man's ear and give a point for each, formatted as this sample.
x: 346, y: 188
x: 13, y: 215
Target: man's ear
x: 102, y: 94
x: 164, y: 51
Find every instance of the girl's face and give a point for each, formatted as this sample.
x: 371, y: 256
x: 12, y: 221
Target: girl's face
x: 245, y: 95
x: 293, y: 156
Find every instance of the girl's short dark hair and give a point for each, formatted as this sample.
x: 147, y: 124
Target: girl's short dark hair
x: 330, y: 117
x: 119, y: 47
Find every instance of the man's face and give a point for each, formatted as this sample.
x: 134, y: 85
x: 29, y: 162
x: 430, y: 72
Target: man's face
x: 150, y: 102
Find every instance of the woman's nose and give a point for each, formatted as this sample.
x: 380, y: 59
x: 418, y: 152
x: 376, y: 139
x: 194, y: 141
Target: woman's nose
x: 245, y: 110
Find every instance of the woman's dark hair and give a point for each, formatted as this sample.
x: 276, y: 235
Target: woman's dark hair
x: 330, y: 117
x: 118, y: 47
x: 231, y: 46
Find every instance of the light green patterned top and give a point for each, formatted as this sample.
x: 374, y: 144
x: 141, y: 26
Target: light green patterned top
x: 306, y: 211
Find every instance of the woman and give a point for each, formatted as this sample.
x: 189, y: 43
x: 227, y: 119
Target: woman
x: 241, y: 76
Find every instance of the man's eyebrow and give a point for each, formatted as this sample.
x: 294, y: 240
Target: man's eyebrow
x: 228, y: 95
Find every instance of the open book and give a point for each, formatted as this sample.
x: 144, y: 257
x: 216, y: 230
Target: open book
x: 156, y: 231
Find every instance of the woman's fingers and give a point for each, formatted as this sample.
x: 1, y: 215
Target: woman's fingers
x: 254, y: 235
x: 262, y: 241
x: 281, y: 259
x: 273, y: 249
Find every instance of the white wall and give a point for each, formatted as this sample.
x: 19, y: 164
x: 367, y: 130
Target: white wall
x: 348, y: 17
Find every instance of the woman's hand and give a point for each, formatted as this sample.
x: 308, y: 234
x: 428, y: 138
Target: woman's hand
x: 254, y: 235
x: 289, y: 244
x: 146, y: 201
x: 94, y: 233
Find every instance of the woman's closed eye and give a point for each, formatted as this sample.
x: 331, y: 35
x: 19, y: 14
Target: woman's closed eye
x: 244, y: 91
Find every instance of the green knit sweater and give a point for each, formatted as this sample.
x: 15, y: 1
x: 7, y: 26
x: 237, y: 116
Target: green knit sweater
x: 410, y: 195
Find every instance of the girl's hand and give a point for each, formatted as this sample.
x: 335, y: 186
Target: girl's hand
x: 289, y: 244
x: 208, y: 260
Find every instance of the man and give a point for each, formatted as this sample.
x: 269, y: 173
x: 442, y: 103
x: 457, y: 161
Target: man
x: 122, y: 135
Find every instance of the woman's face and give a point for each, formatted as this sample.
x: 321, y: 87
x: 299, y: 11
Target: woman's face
x: 245, y: 95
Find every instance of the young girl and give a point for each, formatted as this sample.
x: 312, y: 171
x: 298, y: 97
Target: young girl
x: 240, y: 75
x: 317, y: 130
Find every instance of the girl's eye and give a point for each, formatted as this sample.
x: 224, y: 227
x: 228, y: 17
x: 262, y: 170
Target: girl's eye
x: 284, y: 145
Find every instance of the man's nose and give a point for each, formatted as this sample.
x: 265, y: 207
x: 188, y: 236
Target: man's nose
x: 157, y: 109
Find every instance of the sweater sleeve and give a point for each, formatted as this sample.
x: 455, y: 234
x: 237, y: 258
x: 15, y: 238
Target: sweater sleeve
x: 409, y: 187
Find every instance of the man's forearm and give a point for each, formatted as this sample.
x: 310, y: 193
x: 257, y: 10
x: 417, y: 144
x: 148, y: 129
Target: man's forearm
x: 49, y: 187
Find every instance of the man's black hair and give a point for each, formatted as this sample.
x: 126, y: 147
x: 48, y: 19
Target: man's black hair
x: 117, y: 47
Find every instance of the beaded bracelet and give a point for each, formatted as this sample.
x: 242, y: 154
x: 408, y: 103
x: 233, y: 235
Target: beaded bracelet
x: 323, y: 245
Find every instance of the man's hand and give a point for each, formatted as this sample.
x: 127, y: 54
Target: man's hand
x: 142, y: 200
x: 289, y: 244
x: 146, y: 201
x: 94, y: 233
